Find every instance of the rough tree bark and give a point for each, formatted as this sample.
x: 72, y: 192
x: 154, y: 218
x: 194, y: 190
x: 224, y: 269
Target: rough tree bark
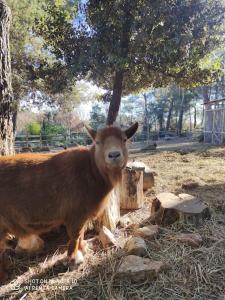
x: 6, y: 96
x: 223, y: 86
x: 181, y: 113
x: 120, y: 70
x: 195, y: 116
x: 205, y: 93
x: 145, y: 121
x: 169, y: 115
x: 116, y: 98
x: 190, y: 119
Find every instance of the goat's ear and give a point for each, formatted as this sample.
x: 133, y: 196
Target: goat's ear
x: 91, y: 131
x: 131, y: 130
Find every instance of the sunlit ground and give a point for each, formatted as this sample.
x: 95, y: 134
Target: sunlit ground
x: 193, y: 274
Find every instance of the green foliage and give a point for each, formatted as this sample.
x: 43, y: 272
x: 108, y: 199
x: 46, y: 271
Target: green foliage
x: 153, y: 42
x: 50, y: 128
x: 34, y: 128
x: 97, y: 117
x: 35, y: 67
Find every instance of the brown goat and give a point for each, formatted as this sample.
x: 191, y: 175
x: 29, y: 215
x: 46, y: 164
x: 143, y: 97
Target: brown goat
x: 40, y: 192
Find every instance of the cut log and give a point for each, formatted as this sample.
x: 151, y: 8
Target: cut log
x: 131, y: 191
x: 168, y: 208
x: 111, y: 215
x: 106, y: 237
x: 148, y: 175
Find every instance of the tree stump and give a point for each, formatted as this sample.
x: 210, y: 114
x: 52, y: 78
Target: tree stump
x: 131, y: 189
x: 128, y: 194
x: 168, y: 208
x: 148, y: 176
x: 110, y: 216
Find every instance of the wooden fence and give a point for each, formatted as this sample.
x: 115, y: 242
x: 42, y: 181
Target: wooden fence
x: 35, y: 142
x: 57, y: 140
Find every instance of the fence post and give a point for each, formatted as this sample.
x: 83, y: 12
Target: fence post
x: 27, y: 140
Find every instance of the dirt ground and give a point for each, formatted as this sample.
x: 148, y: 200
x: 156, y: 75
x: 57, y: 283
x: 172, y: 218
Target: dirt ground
x: 193, y: 273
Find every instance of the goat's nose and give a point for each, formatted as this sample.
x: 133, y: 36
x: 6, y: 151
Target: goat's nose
x: 114, y: 154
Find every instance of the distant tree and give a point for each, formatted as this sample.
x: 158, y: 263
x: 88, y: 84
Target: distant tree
x: 6, y: 95
x: 34, y: 128
x: 97, y: 117
x: 24, y: 118
x: 35, y: 68
x: 125, y: 46
x: 69, y: 120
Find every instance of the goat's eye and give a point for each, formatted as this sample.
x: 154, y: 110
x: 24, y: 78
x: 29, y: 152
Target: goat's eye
x: 97, y: 142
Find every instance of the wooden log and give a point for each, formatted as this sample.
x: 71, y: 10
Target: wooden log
x: 128, y: 194
x: 131, y: 189
x: 110, y: 216
x: 148, y: 176
x: 168, y: 208
x: 107, y: 238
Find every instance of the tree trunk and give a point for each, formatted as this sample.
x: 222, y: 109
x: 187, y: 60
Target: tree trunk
x: 181, y: 113
x: 190, y: 119
x: 161, y: 121
x: 205, y: 93
x: 119, y: 74
x: 6, y: 97
x: 116, y: 98
x: 169, y: 115
x: 217, y: 89
x: 195, y: 116
x: 223, y: 86
x: 14, y: 120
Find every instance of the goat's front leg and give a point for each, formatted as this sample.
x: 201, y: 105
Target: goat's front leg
x: 74, y: 252
x: 83, y: 246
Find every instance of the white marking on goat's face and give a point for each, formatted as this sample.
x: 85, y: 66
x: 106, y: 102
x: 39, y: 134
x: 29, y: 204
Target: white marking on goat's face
x: 113, y: 151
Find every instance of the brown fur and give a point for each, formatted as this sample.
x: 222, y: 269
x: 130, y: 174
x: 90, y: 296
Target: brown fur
x: 39, y: 192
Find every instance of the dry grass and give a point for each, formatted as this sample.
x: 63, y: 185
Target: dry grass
x: 193, y: 273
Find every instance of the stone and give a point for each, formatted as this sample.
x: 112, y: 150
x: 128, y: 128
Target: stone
x: 125, y: 221
x: 106, y: 237
x: 191, y: 239
x: 189, y: 184
x: 136, y: 246
x: 147, y: 232
x: 138, y: 269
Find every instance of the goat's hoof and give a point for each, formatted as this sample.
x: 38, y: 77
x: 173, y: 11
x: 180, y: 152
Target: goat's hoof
x: 75, y: 261
x: 84, y: 247
x: 78, y: 258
